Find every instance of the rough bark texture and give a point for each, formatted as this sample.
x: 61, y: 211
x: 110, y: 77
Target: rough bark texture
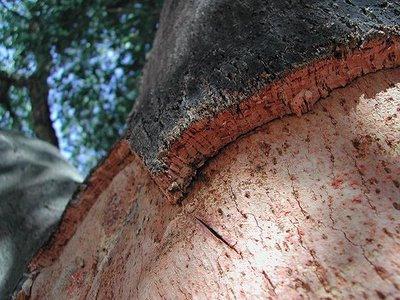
x: 304, y: 206
x: 35, y: 186
x: 221, y: 68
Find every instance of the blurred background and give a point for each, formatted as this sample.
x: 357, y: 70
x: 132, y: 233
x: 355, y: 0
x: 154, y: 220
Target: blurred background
x: 70, y: 70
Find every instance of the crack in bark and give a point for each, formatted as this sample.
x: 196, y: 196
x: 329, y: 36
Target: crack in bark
x: 141, y: 271
x: 183, y: 293
x: 319, y: 271
x: 363, y: 251
x: 376, y: 268
x: 328, y: 114
x: 271, y: 201
x: 360, y: 246
x: 361, y: 174
x: 261, y: 230
x: 266, y: 277
x: 234, y: 198
x: 295, y: 194
x: 332, y: 159
x: 269, y: 281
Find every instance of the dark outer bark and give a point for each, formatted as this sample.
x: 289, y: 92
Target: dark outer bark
x: 212, y: 55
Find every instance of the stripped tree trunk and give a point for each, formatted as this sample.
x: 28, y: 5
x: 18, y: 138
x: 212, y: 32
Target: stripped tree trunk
x: 216, y: 192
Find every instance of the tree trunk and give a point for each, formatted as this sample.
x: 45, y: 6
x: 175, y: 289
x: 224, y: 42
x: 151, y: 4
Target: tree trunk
x: 214, y: 193
x: 42, y: 124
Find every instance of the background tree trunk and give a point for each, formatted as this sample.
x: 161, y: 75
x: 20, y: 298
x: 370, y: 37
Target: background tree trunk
x: 42, y: 124
x: 39, y: 97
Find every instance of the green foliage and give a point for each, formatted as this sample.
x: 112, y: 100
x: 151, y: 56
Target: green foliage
x: 91, y: 52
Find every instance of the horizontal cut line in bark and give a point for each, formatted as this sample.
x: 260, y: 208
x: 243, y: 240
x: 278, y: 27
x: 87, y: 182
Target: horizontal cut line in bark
x: 295, y: 93
x: 217, y: 235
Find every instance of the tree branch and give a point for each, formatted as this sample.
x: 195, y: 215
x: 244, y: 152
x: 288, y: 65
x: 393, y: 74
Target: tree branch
x: 13, y: 80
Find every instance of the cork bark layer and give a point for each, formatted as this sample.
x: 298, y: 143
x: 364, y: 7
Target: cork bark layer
x: 301, y: 207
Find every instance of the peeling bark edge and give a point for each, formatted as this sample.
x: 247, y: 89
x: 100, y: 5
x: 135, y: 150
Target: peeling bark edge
x: 295, y: 93
x: 211, y: 57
